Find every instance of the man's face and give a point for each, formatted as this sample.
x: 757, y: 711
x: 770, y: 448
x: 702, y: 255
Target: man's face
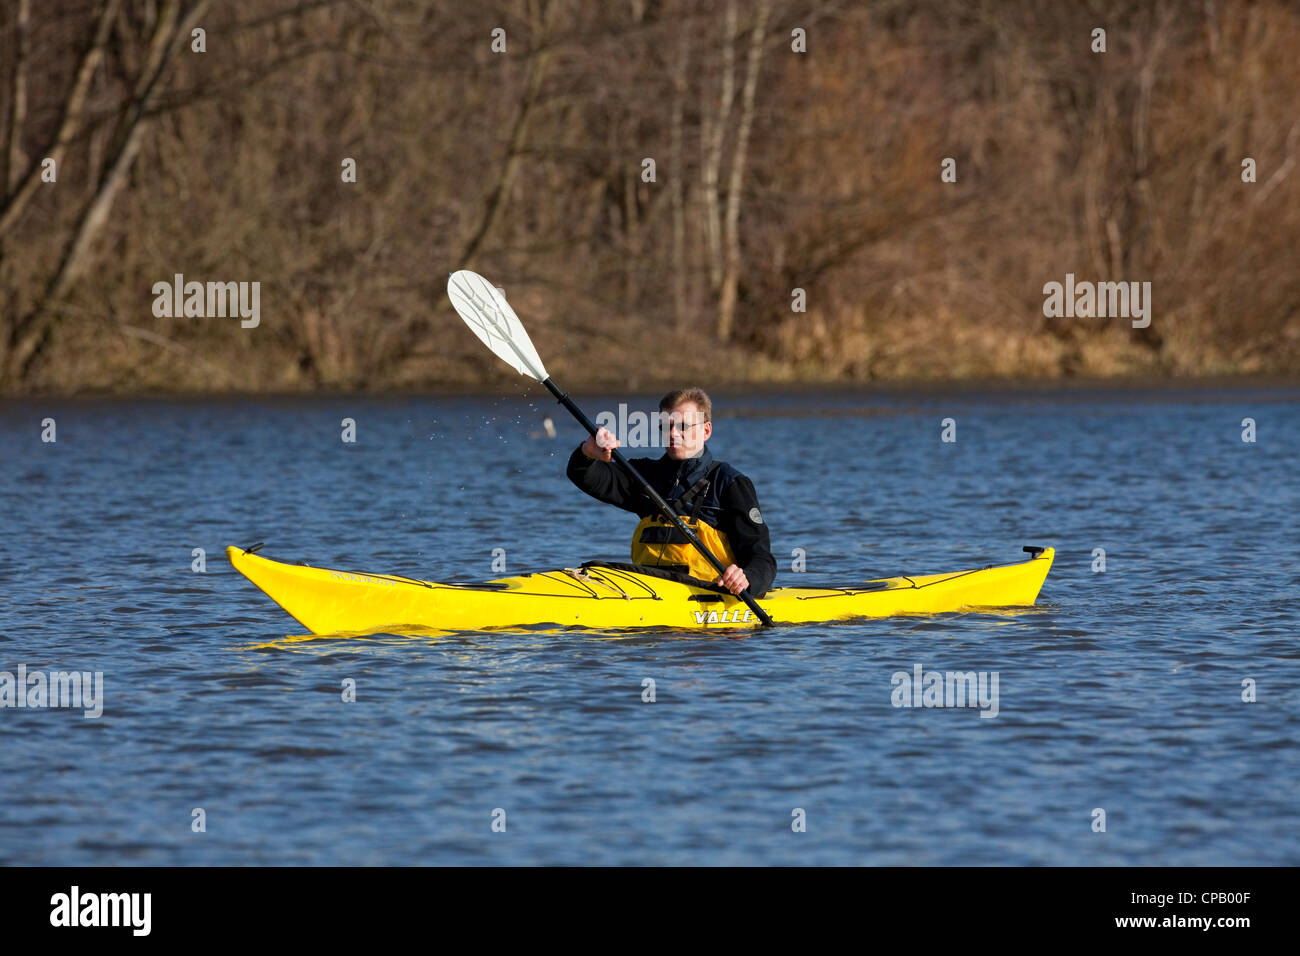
x: 685, y: 431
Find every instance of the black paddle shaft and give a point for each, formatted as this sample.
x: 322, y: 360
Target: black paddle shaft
x: 663, y: 506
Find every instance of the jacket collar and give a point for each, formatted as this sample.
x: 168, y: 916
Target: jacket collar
x: 692, y: 470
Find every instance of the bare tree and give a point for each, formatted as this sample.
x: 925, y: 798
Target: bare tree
x: 731, y: 275
x: 73, y: 115
x: 30, y: 333
x: 780, y: 170
x: 714, y: 136
x: 13, y: 156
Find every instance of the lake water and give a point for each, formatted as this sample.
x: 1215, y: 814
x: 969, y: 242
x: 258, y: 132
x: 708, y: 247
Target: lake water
x: 1122, y: 691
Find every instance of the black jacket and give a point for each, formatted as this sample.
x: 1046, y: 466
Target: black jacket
x: 730, y: 504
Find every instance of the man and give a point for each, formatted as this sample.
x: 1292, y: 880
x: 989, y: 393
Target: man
x: 716, y: 501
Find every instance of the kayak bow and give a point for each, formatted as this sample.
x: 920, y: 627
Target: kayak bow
x: 327, y: 601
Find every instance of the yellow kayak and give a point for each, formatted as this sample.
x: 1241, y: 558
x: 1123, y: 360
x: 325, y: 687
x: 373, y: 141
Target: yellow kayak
x: 608, y: 595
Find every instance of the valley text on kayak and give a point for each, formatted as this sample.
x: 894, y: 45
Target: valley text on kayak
x: 76, y: 690
x: 713, y: 499
x: 75, y: 908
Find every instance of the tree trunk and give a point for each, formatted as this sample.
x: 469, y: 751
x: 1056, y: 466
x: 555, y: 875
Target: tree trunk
x: 14, y: 159
x: 713, y: 147
x: 496, y: 202
x: 727, y: 302
x: 678, y: 182
x: 30, y: 333
x: 16, y: 200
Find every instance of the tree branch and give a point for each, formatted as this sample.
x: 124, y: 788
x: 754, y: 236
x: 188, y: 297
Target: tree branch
x: 29, y: 335
x: 16, y: 201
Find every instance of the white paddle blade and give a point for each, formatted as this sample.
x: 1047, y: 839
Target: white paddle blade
x: 486, y: 311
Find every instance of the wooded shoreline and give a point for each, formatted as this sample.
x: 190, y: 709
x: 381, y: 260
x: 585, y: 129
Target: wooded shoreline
x: 766, y: 193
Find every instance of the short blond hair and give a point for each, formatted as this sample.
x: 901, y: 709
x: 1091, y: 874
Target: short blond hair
x: 696, y: 395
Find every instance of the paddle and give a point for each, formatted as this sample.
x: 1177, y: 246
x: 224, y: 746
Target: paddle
x: 488, y: 314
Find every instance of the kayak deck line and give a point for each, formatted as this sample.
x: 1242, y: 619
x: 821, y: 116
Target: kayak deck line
x: 328, y: 601
x: 911, y: 584
x: 617, y: 573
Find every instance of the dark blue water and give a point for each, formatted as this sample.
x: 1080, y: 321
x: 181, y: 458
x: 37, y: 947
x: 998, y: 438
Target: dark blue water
x: 1121, y: 691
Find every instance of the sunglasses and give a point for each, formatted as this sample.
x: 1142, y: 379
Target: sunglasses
x: 678, y: 427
